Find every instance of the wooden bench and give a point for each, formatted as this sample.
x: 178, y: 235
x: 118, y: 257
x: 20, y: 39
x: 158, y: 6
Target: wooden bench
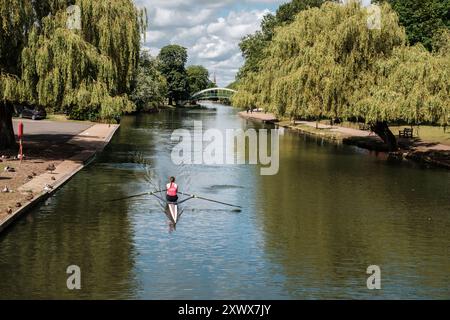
x: 405, y: 133
x: 364, y: 127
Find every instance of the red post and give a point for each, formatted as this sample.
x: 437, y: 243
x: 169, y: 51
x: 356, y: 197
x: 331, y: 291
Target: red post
x: 20, y: 135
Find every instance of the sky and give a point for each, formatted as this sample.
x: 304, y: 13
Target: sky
x: 210, y: 29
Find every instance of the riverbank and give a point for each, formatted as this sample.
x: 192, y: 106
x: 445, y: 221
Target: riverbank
x: 54, y: 152
x: 426, y: 152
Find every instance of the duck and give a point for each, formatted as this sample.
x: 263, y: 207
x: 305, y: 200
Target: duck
x: 51, y: 168
x: 5, y: 189
x: 48, y: 188
x: 9, y: 169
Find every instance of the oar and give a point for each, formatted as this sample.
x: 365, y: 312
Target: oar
x: 182, y: 201
x: 193, y: 196
x: 134, y: 196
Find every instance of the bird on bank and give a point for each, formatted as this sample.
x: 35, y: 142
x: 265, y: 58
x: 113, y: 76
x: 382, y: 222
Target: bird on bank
x: 51, y: 168
x: 9, y: 169
x: 5, y: 189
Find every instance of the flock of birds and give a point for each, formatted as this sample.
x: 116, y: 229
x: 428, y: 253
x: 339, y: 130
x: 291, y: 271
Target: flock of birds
x: 47, y: 188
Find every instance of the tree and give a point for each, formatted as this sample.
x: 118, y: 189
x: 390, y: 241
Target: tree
x: 328, y: 64
x: 87, y: 72
x: 253, y: 46
x: 422, y: 19
x: 172, y: 60
x: 16, y: 18
x: 198, y: 79
x: 234, y: 85
x: 150, y: 85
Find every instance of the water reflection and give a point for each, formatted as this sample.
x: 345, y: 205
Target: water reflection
x: 334, y: 214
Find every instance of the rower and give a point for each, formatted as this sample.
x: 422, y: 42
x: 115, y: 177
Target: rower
x: 172, y: 190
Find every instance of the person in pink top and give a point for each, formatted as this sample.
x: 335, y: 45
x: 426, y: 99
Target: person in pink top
x: 172, y: 190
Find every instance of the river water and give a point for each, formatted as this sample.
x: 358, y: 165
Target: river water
x: 309, y: 232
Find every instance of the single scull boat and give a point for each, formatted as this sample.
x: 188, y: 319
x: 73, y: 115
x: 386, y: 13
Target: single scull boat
x: 173, y: 207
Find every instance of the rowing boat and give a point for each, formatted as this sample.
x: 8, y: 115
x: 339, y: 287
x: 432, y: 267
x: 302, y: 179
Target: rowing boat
x: 173, y: 211
x: 172, y: 208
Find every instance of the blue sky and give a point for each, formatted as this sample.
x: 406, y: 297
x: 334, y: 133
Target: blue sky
x: 209, y: 29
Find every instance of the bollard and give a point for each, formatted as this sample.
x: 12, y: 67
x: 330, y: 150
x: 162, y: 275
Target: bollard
x: 20, y: 135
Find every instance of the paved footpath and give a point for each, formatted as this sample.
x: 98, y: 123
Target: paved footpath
x: 260, y: 116
x: 93, y: 140
x: 56, y: 131
x: 421, y: 146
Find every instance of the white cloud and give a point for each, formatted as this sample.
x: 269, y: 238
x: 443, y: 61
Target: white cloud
x: 209, y: 29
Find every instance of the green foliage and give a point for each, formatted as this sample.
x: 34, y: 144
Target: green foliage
x: 114, y: 28
x: 150, y: 87
x: 328, y: 64
x: 422, y: 18
x: 198, y: 79
x: 253, y: 46
x: 412, y: 86
x: 441, y: 42
x: 87, y: 73
x: 173, y: 59
x: 286, y: 12
x: 14, y: 19
x: 234, y: 85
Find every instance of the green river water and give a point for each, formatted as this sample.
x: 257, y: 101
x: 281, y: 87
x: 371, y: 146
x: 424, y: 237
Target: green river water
x: 309, y: 232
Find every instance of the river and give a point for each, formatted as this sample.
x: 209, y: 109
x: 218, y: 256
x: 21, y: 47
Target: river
x: 309, y: 232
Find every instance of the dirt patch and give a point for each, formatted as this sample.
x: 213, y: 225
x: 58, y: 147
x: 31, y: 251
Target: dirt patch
x: 39, y: 157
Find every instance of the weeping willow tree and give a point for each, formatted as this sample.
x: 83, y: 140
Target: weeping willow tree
x: 411, y: 86
x: 329, y: 64
x: 14, y: 22
x: 87, y: 72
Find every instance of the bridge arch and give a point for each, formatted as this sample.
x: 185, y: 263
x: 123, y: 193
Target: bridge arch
x: 213, y: 93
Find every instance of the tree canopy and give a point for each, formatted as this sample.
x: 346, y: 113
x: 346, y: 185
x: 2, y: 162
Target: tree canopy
x: 329, y: 64
x: 252, y: 46
x: 86, y: 72
x: 173, y: 60
x: 198, y: 79
x: 422, y: 19
x: 150, y: 85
